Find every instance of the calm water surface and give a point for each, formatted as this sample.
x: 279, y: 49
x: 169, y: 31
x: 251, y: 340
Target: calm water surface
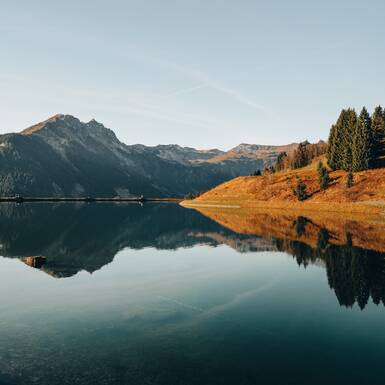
x: 125, y: 294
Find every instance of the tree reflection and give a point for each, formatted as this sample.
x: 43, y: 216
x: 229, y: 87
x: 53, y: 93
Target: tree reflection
x: 62, y: 240
x: 355, y: 274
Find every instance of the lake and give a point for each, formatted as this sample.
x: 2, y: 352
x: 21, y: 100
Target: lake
x: 159, y: 294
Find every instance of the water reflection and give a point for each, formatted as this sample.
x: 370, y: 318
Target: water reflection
x: 67, y: 238
x: 351, y: 249
x: 354, y: 273
x: 63, y: 239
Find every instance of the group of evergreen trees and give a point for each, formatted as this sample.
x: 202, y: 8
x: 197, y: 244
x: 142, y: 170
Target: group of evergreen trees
x: 301, y: 156
x: 356, y: 143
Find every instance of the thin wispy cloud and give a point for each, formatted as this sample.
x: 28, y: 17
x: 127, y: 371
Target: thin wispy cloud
x: 150, y: 103
x: 186, y: 91
x: 208, y: 81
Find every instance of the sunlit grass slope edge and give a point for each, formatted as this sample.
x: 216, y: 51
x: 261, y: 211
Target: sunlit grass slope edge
x: 276, y: 190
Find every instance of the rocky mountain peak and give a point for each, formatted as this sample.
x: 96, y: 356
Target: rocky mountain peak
x: 94, y: 122
x: 41, y: 125
x: 246, y: 148
x: 70, y: 127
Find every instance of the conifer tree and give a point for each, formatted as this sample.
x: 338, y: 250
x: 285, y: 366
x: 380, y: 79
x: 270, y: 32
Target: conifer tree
x: 323, y: 176
x: 331, y: 150
x: 378, y: 127
x: 383, y: 115
x: 280, y: 163
x: 362, y: 151
x: 340, y: 149
x: 301, y: 155
x: 348, y: 134
x: 340, y: 138
x: 300, y: 190
x: 339, y: 156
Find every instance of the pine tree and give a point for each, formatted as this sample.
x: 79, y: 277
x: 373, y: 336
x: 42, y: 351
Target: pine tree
x: 331, y: 150
x: 301, y: 155
x: 340, y: 138
x: 378, y: 127
x: 362, y: 151
x: 300, y: 190
x: 340, y: 154
x: 323, y: 176
x: 280, y: 163
x: 348, y: 134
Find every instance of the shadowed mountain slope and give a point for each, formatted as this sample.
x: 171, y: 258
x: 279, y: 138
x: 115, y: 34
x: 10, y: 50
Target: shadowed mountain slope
x: 63, y: 156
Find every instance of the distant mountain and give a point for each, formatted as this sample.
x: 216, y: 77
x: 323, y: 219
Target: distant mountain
x: 253, y: 151
x: 63, y: 156
x: 241, y: 160
x: 184, y: 155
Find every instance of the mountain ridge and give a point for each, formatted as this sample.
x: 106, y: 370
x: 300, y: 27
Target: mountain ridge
x: 62, y: 156
x: 240, y: 148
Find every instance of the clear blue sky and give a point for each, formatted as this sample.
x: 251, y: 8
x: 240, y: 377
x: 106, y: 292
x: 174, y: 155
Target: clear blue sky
x: 199, y: 73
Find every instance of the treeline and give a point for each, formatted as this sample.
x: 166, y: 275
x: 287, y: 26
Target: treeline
x: 356, y: 142
x: 301, y: 156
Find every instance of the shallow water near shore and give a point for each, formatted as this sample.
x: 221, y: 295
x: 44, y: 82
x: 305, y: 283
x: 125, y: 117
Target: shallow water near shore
x: 159, y: 294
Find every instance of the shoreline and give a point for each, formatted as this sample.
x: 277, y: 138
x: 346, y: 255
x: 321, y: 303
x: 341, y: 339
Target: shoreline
x: 86, y: 200
x: 370, y: 208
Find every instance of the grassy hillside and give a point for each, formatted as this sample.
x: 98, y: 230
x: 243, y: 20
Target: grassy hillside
x: 276, y: 190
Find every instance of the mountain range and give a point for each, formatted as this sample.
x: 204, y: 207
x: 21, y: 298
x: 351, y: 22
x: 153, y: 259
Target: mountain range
x: 65, y: 157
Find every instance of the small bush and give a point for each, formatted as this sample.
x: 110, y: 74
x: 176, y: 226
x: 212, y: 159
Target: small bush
x: 190, y: 196
x: 268, y: 170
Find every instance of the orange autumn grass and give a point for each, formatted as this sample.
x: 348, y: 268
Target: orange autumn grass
x: 276, y: 191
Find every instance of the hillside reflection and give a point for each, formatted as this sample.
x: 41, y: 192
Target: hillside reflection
x: 354, y: 273
x: 352, y: 249
x: 63, y: 239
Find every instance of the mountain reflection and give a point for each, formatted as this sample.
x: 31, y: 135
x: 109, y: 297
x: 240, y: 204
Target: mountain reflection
x: 63, y: 239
